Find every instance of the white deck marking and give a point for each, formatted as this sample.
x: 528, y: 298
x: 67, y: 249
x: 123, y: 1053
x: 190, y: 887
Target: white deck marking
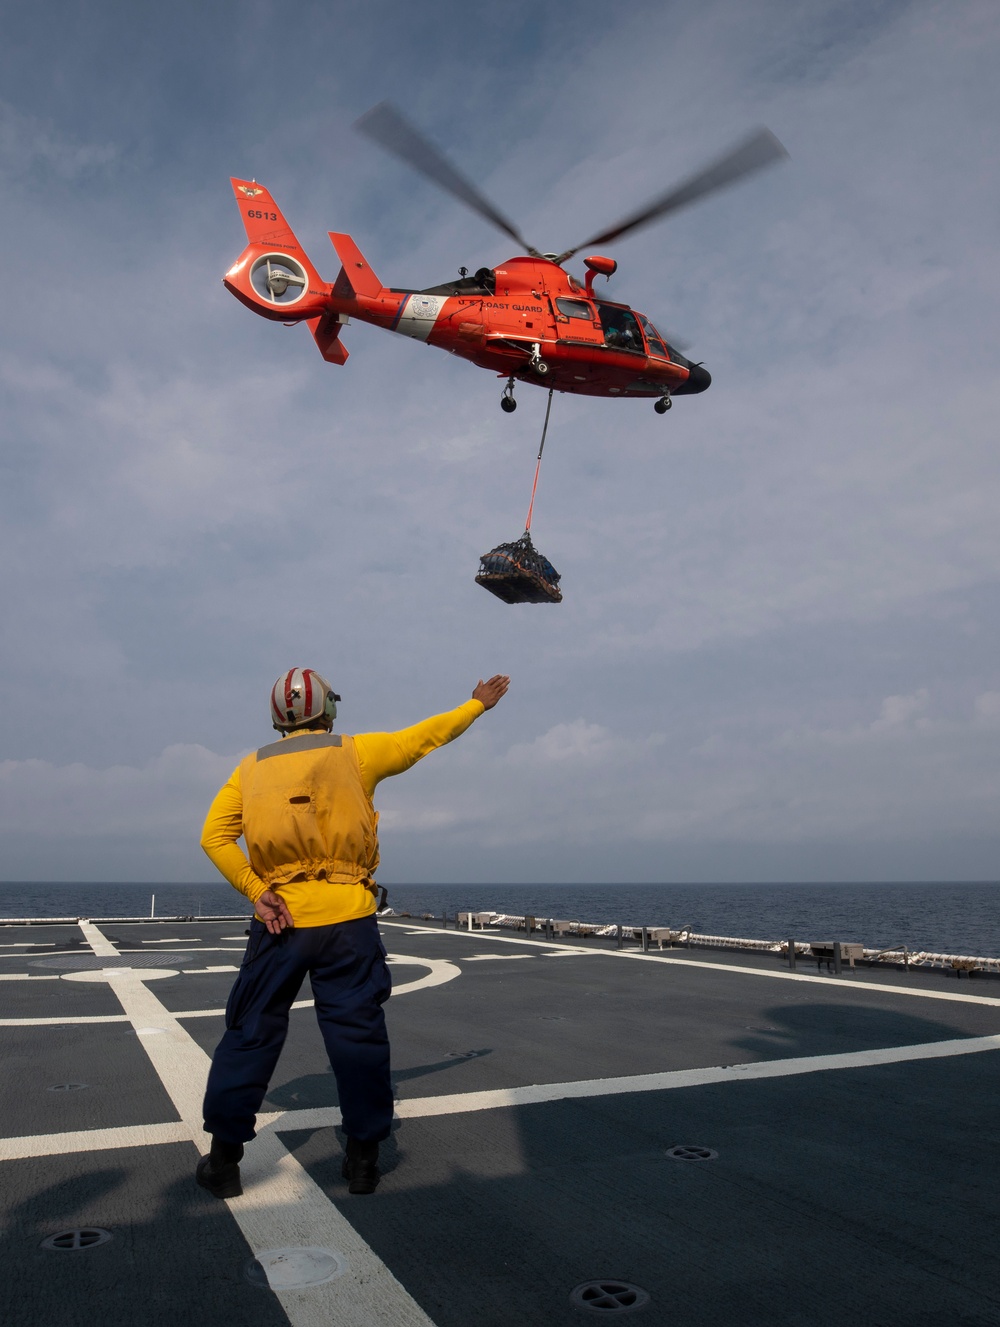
x: 105, y: 974
x: 462, y: 1103
x: 98, y: 942
x: 495, y: 958
x: 58, y: 1022
x: 217, y: 1013
x: 93, y: 1140
x: 853, y: 984
x: 26, y: 976
x: 50, y: 953
x: 442, y: 970
x: 282, y: 1206
x: 175, y: 940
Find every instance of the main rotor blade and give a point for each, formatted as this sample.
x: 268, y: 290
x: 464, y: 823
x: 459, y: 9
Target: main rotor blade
x: 387, y: 126
x: 754, y: 153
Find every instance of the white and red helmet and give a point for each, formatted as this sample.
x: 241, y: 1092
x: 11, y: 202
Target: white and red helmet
x: 302, y: 696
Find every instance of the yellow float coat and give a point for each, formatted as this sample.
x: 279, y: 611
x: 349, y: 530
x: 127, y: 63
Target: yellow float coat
x: 319, y: 855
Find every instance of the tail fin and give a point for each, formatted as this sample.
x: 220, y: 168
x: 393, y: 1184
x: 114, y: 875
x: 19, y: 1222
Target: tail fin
x: 273, y: 275
x: 263, y: 221
x: 356, y: 272
x: 326, y: 333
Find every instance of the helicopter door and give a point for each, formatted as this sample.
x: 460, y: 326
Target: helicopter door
x: 621, y: 329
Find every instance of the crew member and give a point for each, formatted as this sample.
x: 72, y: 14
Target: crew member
x: 303, y: 806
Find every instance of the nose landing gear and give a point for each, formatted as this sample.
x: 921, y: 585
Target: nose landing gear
x: 663, y: 404
x: 507, y: 402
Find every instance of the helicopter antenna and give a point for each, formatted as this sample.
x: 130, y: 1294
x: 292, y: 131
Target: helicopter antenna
x: 753, y: 154
x: 386, y: 125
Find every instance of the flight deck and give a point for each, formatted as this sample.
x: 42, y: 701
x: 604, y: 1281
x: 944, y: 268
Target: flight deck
x: 680, y: 1137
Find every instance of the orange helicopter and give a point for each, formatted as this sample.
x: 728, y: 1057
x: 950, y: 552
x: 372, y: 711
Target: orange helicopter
x: 527, y: 319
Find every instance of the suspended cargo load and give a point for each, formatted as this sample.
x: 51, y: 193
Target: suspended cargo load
x: 518, y: 574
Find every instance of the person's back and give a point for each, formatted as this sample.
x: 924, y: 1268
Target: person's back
x: 303, y: 805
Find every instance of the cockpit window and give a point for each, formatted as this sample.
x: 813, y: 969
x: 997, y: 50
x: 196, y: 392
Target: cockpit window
x: 657, y: 346
x: 621, y: 331
x: 575, y: 308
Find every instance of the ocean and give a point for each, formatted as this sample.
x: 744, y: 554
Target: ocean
x: 950, y: 917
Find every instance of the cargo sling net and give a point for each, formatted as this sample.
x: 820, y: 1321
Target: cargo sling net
x: 516, y: 572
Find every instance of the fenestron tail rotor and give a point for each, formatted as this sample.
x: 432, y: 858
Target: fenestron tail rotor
x: 278, y: 279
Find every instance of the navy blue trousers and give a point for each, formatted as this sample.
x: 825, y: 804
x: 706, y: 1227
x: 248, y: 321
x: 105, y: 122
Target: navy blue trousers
x: 350, y: 982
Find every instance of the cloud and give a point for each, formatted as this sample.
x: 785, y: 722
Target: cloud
x: 168, y: 794
x: 780, y: 605
x: 30, y: 144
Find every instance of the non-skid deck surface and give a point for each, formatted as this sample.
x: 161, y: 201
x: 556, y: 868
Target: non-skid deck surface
x: 540, y: 1087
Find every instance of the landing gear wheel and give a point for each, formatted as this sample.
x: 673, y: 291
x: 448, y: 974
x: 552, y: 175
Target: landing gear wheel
x: 663, y: 405
x: 540, y: 367
x: 508, y: 404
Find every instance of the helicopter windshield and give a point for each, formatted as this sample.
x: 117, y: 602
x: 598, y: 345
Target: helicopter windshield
x: 657, y: 346
x: 660, y: 346
x: 621, y: 331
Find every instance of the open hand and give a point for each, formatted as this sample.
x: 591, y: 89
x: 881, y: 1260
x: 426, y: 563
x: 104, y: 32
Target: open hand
x: 272, y: 909
x: 488, y: 693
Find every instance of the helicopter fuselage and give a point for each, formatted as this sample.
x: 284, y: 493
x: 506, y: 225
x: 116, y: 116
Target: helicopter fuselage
x: 526, y: 319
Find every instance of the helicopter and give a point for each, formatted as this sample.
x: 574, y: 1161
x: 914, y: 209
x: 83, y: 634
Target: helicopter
x: 527, y: 319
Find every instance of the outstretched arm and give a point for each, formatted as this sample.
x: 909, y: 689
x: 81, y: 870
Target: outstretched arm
x: 383, y: 754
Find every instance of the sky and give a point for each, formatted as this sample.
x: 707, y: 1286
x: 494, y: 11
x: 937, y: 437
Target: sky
x: 777, y: 656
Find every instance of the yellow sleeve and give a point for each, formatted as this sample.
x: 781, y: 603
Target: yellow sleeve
x: 383, y: 754
x: 223, y: 826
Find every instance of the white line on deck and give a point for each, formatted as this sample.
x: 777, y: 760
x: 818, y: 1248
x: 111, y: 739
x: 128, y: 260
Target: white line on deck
x: 282, y: 1206
x: 58, y: 1022
x: 442, y: 970
x: 49, y: 953
x: 463, y: 1103
x: 855, y: 984
x: 93, y: 1140
x: 497, y: 958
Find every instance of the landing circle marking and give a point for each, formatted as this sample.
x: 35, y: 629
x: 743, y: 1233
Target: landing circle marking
x: 441, y: 971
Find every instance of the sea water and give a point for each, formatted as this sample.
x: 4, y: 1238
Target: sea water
x: 951, y: 917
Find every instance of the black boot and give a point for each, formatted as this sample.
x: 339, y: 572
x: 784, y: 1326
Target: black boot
x: 360, y: 1167
x: 219, y: 1172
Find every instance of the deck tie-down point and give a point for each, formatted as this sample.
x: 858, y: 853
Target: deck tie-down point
x: 84, y: 1237
x: 609, y: 1296
x: 688, y: 1152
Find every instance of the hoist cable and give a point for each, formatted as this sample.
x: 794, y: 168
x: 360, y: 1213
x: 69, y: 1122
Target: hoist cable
x: 538, y: 464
